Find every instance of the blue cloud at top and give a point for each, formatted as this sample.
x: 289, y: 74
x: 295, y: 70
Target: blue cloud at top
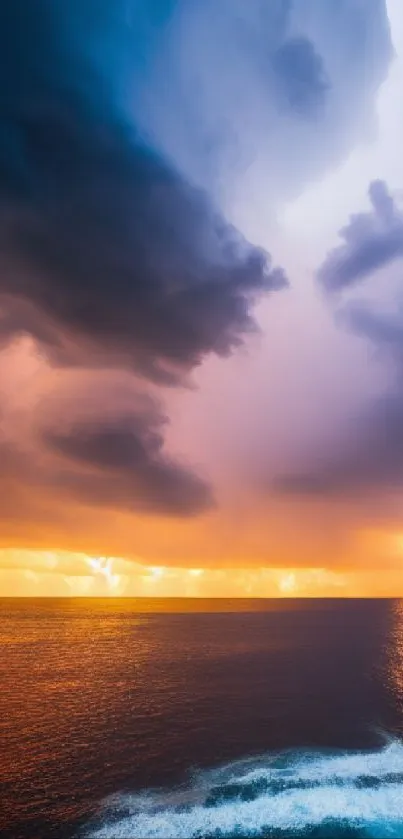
x: 286, y: 85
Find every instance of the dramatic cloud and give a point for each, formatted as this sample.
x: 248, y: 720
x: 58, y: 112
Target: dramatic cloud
x: 370, y: 241
x: 109, y: 257
x: 108, y: 252
x: 100, y: 235
x: 137, y: 141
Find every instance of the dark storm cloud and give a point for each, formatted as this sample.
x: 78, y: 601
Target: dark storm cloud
x: 108, y: 241
x: 370, y: 241
x: 117, y: 254
x: 107, y: 255
x: 127, y: 467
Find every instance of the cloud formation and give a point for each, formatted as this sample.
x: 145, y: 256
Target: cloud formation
x: 122, y: 125
x: 96, y: 440
x: 368, y: 459
x: 370, y: 241
x: 101, y: 235
x: 127, y: 466
x: 109, y: 252
x: 109, y: 256
x: 280, y: 90
x: 300, y: 77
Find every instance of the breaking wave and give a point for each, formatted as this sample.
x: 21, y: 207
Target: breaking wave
x: 320, y: 794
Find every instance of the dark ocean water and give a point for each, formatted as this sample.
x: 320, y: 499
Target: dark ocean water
x: 282, y: 719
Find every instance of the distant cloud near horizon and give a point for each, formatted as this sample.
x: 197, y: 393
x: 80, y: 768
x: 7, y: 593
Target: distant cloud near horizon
x: 126, y: 466
x: 98, y: 441
x: 368, y: 462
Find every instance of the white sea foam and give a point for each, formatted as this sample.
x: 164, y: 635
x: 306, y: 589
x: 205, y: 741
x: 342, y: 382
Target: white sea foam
x: 290, y: 792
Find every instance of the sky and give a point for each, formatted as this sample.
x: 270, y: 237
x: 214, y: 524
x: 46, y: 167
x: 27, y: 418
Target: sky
x: 201, y: 298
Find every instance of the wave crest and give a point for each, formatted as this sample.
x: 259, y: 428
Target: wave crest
x: 286, y: 794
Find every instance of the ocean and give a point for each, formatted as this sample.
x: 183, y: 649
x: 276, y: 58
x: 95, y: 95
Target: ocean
x: 164, y: 718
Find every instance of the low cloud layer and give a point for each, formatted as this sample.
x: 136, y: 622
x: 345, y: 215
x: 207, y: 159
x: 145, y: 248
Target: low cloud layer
x: 126, y: 466
x: 96, y: 440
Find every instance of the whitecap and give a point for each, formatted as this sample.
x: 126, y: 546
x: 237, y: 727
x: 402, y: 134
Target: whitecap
x: 287, y: 793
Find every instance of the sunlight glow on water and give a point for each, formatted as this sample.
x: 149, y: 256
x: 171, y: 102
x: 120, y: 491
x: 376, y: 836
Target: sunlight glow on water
x: 353, y: 793
x: 99, y: 699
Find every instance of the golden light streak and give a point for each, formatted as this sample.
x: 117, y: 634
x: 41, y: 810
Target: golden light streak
x: 53, y: 573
